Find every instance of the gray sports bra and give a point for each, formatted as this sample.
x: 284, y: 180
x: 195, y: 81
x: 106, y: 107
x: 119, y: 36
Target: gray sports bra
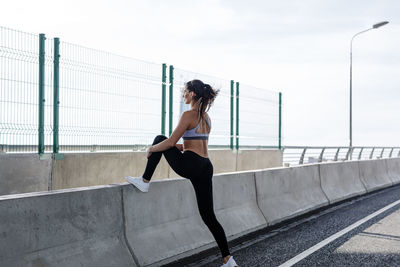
x: 192, y: 135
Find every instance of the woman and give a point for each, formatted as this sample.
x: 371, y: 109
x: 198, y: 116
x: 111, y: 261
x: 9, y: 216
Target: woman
x: 194, y: 127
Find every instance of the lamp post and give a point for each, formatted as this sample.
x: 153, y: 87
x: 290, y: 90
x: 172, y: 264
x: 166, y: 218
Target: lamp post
x: 375, y: 26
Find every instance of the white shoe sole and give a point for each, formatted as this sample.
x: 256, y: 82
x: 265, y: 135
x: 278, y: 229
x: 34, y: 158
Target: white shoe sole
x: 136, y: 183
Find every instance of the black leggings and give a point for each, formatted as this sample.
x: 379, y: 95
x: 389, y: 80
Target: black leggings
x: 199, y: 171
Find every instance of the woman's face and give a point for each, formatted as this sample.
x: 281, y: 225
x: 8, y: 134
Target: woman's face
x: 187, y: 96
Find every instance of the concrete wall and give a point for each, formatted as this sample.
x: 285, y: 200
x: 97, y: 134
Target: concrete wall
x: 21, y: 173
x: 258, y: 159
x: 117, y: 225
x: 87, y: 169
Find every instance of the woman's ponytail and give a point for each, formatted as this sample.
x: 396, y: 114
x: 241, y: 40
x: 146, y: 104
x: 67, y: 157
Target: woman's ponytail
x: 204, y: 92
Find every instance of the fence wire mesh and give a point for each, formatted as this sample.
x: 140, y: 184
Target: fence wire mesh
x: 219, y: 112
x: 19, y: 52
x: 258, y: 116
x: 107, y: 102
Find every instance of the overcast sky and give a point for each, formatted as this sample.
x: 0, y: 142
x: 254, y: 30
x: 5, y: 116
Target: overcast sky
x: 300, y: 48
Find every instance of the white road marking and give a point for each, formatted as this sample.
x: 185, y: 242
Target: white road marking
x: 333, y: 237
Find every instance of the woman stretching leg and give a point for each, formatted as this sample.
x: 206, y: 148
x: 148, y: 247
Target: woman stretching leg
x: 194, y: 127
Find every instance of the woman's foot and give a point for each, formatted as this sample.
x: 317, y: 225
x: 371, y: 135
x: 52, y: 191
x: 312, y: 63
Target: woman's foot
x: 139, y: 182
x: 230, y: 262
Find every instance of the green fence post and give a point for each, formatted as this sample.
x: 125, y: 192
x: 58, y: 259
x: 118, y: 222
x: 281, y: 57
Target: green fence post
x: 232, y: 101
x: 171, y: 95
x: 56, y: 92
x: 280, y: 121
x: 163, y: 93
x: 237, y: 115
x: 42, y: 39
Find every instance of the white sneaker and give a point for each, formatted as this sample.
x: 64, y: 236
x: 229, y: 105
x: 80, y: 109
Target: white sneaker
x: 138, y: 182
x: 230, y: 263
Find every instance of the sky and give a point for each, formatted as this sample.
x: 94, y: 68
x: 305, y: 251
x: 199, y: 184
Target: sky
x: 299, y: 48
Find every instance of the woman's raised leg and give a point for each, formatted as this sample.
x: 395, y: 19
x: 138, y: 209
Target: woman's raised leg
x: 173, y: 156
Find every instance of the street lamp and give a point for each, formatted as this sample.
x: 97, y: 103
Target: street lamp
x: 375, y: 26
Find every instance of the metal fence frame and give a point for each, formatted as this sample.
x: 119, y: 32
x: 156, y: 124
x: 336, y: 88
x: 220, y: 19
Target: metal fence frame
x: 53, y: 125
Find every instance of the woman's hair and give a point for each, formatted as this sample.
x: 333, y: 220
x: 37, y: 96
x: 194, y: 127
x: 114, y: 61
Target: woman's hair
x: 203, y: 92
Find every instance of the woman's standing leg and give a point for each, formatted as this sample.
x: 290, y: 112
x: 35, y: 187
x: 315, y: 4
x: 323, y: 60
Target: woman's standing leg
x: 203, y: 189
x: 188, y: 166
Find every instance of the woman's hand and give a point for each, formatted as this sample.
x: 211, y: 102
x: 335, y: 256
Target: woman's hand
x: 148, y: 152
x: 179, y: 146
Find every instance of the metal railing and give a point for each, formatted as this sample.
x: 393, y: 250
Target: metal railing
x: 298, y: 155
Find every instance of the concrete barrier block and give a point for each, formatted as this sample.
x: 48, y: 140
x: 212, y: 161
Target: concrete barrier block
x: 66, y: 228
x: 164, y: 223
x: 393, y: 168
x: 23, y: 173
x: 284, y: 193
x: 373, y: 174
x: 341, y: 180
x: 235, y: 203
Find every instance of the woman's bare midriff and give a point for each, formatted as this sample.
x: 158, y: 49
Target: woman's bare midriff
x: 197, y: 146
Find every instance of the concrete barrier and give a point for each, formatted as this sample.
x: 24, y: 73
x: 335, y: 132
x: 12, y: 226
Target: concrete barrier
x: 341, y: 180
x: 284, y: 193
x: 164, y: 224
x: 373, y: 174
x: 117, y: 225
x: 66, y: 228
x: 23, y: 173
x: 393, y: 168
x: 235, y: 203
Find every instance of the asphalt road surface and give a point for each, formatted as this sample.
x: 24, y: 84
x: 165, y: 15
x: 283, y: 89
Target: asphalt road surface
x: 364, y: 231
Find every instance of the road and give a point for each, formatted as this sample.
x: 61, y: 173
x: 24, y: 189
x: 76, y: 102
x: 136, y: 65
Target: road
x: 364, y: 231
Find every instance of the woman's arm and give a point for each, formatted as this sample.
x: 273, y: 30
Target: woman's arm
x: 180, y: 129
